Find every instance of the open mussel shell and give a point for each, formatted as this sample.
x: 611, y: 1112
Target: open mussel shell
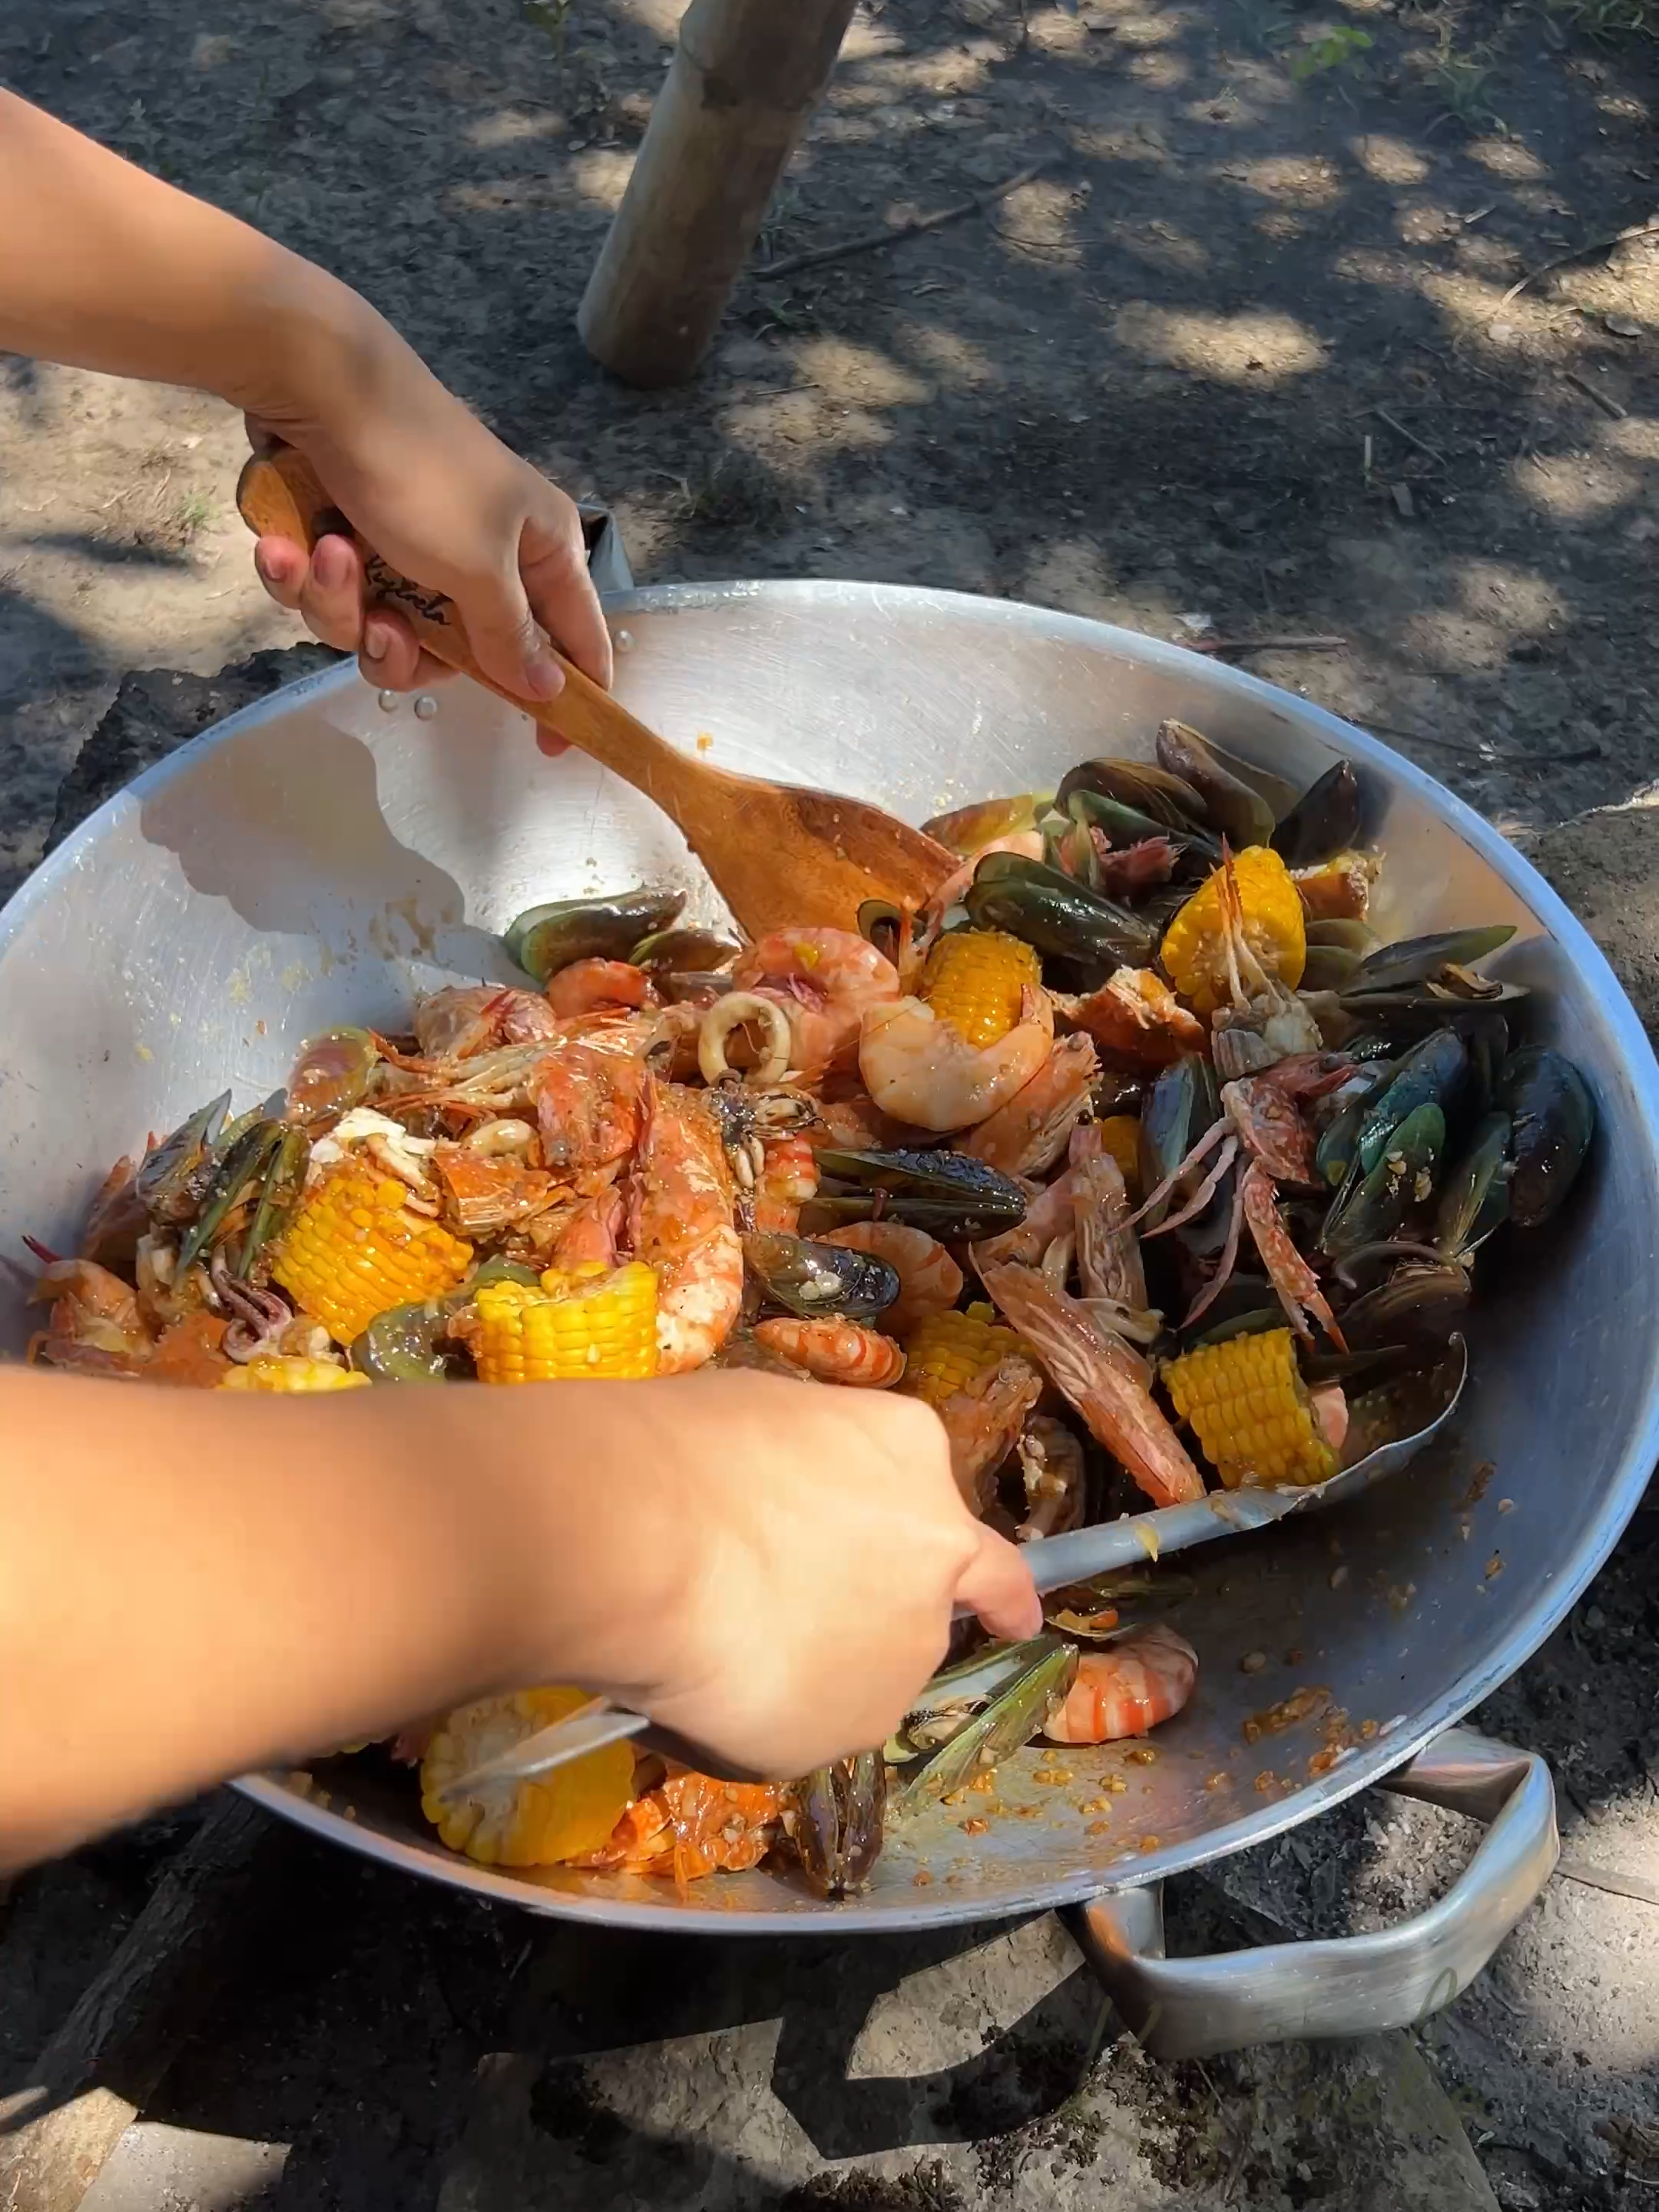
x: 1003, y: 1724
x: 172, y: 1181
x: 545, y: 938
x: 836, y: 1822
x: 1125, y: 826
x: 1476, y: 1196
x: 1374, y: 1203
x: 1324, y: 821
x: 1432, y: 1074
x: 819, y: 1282
x: 1419, y: 1302
x: 241, y: 1162
x: 881, y: 924
x: 1554, y: 1117
x: 1356, y: 936
x: 950, y: 1194
x: 1339, y: 1118
x: 1329, y: 967
x: 683, y: 953
x: 1181, y: 1106
x: 331, y: 1076
x: 965, y: 831
x: 284, y: 1179
x: 1061, y: 917
x: 1150, y: 791
x: 1231, y: 806
x: 1421, y: 959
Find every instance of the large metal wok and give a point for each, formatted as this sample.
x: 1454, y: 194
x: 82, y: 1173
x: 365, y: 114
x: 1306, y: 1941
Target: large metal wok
x: 327, y: 854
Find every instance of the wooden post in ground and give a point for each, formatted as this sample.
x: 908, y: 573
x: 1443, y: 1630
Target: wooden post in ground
x: 742, y: 84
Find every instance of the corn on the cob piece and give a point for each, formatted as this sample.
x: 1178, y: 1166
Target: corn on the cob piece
x: 1120, y: 1135
x: 1249, y: 1409
x: 973, y: 978
x: 353, y: 1250
x: 595, y: 1323
x: 948, y: 1350
x: 286, y: 1373
x: 533, y: 1822
x: 1194, y: 949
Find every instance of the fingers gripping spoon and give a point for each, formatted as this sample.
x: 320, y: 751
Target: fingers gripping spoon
x: 1055, y: 1562
x: 777, y: 853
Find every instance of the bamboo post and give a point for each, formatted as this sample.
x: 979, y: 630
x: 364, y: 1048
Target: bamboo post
x: 744, y: 81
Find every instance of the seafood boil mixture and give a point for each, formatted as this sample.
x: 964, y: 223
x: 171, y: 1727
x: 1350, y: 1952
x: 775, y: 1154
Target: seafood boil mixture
x: 1132, y: 1151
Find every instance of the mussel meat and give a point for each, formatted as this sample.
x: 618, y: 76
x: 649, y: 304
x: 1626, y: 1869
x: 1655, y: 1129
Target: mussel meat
x: 819, y: 1282
x: 683, y: 953
x: 1231, y: 806
x: 966, y: 831
x: 1062, y: 917
x: 1324, y: 822
x: 950, y: 1194
x: 545, y: 938
x: 1126, y: 826
x: 1424, y: 960
x: 1550, y: 1104
x: 835, y: 1822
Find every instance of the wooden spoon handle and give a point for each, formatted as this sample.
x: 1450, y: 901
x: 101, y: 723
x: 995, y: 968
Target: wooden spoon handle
x: 279, y: 495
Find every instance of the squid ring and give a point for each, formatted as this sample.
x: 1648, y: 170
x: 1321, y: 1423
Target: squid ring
x: 731, y: 1012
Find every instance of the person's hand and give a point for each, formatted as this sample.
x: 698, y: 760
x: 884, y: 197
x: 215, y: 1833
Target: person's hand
x: 445, y: 502
x: 817, y: 1545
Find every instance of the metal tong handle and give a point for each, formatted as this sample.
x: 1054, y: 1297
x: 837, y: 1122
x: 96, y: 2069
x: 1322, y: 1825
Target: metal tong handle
x: 1354, y: 1984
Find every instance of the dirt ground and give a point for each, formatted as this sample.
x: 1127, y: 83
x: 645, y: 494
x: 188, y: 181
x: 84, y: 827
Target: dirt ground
x: 1247, y: 359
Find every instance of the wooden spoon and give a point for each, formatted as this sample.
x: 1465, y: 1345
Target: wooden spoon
x: 778, y: 854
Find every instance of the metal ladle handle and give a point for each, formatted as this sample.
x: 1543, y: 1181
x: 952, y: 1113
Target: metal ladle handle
x: 1353, y: 1984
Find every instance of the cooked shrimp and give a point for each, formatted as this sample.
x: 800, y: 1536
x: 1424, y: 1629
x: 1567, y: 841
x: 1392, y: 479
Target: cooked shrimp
x: 591, y: 1230
x: 924, y: 1070
x: 854, y: 1123
x: 787, y: 1178
x: 585, y: 986
x: 825, y: 979
x: 691, y: 1825
x: 1292, y: 1279
x: 464, y: 1019
x: 589, y: 1106
x: 679, y: 1218
x: 930, y: 1281
x: 1103, y: 1378
x: 834, y: 1351
x: 1108, y: 1262
x: 1137, y: 1020
x: 1028, y: 1135
x: 1127, y: 1689
x: 94, y: 1320
x: 982, y: 1422
x: 1051, y: 1461
x: 485, y: 1194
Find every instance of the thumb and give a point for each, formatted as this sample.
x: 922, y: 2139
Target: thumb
x: 504, y: 634
x: 996, y: 1585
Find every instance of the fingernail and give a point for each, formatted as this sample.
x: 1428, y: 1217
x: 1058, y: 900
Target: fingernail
x: 328, y: 563
x: 377, y: 640
x: 543, y: 678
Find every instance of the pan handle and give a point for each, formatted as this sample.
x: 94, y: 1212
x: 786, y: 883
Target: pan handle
x: 1355, y: 1985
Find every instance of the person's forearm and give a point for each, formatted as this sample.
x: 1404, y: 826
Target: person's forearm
x: 271, y: 1579
x: 103, y: 266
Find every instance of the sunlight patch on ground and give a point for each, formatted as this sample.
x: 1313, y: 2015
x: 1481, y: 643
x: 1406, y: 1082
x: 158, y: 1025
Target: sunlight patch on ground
x: 1507, y: 158
x: 1636, y: 438
x: 511, y: 127
x: 602, y: 176
x: 1576, y: 486
x: 861, y: 374
x: 1159, y: 72
x: 1293, y: 179
x: 957, y: 363
x: 1228, y: 347
x: 1390, y: 161
x: 1160, y: 245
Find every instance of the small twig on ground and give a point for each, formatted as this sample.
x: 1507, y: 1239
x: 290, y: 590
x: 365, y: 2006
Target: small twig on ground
x: 1318, y: 644
x: 1410, y: 437
x: 1612, y: 1879
x: 872, y: 242
x: 1578, y: 254
x: 1608, y: 405
x: 1479, y: 748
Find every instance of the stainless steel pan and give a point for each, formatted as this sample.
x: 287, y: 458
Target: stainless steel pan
x: 326, y: 854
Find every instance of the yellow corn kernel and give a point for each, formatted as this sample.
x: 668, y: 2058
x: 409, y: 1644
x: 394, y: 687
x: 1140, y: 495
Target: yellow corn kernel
x: 1249, y: 1407
x: 946, y: 1351
x: 973, y: 980
x: 536, y: 1821
x: 1120, y: 1134
x: 595, y: 1323
x: 281, y: 1372
x: 1194, y: 949
x: 355, y: 1250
